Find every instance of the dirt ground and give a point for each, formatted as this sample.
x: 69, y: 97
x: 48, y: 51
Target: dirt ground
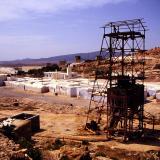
x: 64, y: 118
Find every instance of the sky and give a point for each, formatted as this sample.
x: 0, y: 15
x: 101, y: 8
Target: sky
x: 47, y: 28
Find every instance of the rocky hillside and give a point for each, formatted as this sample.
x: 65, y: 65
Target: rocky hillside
x: 152, y: 66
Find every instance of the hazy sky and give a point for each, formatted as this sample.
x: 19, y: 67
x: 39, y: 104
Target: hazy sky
x: 45, y: 28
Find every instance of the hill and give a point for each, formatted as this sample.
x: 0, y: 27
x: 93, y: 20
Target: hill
x: 56, y: 59
x: 152, y: 65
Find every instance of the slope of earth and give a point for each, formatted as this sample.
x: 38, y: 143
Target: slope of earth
x: 7, y: 147
x: 152, y: 66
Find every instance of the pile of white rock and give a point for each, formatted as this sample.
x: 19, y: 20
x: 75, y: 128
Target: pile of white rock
x: 6, y: 123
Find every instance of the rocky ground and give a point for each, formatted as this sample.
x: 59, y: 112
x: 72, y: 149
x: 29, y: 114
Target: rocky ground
x: 152, y: 66
x: 7, y: 147
x: 62, y: 134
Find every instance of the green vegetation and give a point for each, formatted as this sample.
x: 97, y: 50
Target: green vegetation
x: 32, y: 152
x: 100, y: 154
x: 24, y: 143
x: 56, y: 145
x: 20, y: 73
x: 40, y: 72
x: 85, y: 142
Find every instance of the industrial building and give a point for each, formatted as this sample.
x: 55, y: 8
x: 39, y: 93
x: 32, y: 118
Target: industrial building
x: 61, y: 75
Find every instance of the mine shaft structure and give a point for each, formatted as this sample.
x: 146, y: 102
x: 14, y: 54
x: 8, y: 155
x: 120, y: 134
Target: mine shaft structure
x: 120, y: 102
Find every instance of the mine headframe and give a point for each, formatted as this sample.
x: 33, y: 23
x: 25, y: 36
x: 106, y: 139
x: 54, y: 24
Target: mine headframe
x: 119, y: 103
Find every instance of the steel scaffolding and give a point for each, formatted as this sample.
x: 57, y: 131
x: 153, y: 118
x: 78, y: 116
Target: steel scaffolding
x: 121, y: 98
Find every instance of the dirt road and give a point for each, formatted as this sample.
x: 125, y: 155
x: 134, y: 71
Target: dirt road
x: 46, y: 97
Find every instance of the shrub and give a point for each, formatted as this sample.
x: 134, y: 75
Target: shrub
x: 34, y: 153
x: 85, y: 142
x: 100, y: 154
x: 56, y: 145
x: 24, y: 143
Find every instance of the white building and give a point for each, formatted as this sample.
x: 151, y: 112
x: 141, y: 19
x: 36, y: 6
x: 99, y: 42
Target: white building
x: 61, y: 75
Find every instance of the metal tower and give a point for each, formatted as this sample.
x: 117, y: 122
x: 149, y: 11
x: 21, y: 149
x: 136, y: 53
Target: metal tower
x: 121, y: 98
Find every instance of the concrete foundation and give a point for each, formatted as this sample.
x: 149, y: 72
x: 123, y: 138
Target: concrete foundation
x: 21, y: 125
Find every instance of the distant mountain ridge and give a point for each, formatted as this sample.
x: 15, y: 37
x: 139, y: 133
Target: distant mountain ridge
x: 69, y: 58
